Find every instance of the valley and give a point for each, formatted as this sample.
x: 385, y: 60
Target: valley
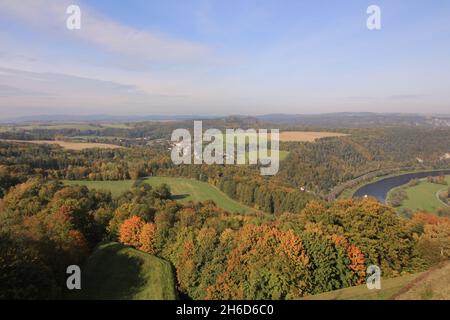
x: 115, y: 201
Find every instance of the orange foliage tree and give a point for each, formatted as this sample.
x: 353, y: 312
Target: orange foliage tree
x: 147, y: 238
x: 130, y: 231
x: 357, y: 262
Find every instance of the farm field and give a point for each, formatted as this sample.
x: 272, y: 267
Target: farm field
x: 302, y: 136
x: 183, y: 190
x: 306, y: 136
x: 423, y: 197
x: 69, y: 145
x: 114, y: 271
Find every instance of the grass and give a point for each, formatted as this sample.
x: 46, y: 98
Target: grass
x: 115, y: 187
x: 182, y: 189
x: 389, y: 288
x: 282, y: 154
x: 114, y: 271
x: 422, y: 197
x: 434, y: 285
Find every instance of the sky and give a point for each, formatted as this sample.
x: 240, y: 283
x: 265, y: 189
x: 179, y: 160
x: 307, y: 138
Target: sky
x: 141, y: 57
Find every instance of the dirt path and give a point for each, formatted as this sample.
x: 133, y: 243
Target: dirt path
x: 440, y: 200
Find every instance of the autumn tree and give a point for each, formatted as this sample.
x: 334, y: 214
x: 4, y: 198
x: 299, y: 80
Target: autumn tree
x: 433, y: 244
x: 147, y: 238
x: 265, y: 264
x: 130, y: 231
x: 382, y: 236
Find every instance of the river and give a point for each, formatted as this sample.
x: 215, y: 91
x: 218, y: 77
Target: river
x: 380, y: 188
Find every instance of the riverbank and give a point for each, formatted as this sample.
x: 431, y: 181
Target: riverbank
x: 380, y: 189
x: 422, y: 196
x: 350, y: 191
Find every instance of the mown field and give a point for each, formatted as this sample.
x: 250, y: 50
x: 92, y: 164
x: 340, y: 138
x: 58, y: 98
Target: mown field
x: 69, y: 145
x: 114, y: 271
x: 182, y: 189
x: 423, y: 197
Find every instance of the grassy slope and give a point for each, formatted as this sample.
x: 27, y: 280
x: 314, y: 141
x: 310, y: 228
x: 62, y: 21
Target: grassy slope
x: 435, y: 285
x: 183, y: 190
x: 389, y: 287
x: 431, y: 284
x: 114, y: 271
x: 422, y: 197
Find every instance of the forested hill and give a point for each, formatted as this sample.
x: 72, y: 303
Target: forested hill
x: 322, y: 165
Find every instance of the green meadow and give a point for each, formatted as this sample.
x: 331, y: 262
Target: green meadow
x: 423, y: 196
x: 183, y: 190
x: 114, y: 271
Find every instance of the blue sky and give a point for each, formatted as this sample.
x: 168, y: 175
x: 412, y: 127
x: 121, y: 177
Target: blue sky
x: 223, y: 57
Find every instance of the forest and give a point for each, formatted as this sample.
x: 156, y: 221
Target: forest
x: 295, y: 242
x: 46, y: 226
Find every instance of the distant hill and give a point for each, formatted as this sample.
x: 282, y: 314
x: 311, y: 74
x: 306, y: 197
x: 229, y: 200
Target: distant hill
x: 115, y: 271
x: 359, y: 119
x: 326, y: 120
x: 96, y: 118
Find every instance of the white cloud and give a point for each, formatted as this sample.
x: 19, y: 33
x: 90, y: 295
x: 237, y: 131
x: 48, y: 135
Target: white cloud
x: 66, y: 93
x: 50, y: 16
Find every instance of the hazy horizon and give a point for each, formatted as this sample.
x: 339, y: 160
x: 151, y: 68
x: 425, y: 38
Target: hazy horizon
x: 68, y: 117
x: 212, y: 58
